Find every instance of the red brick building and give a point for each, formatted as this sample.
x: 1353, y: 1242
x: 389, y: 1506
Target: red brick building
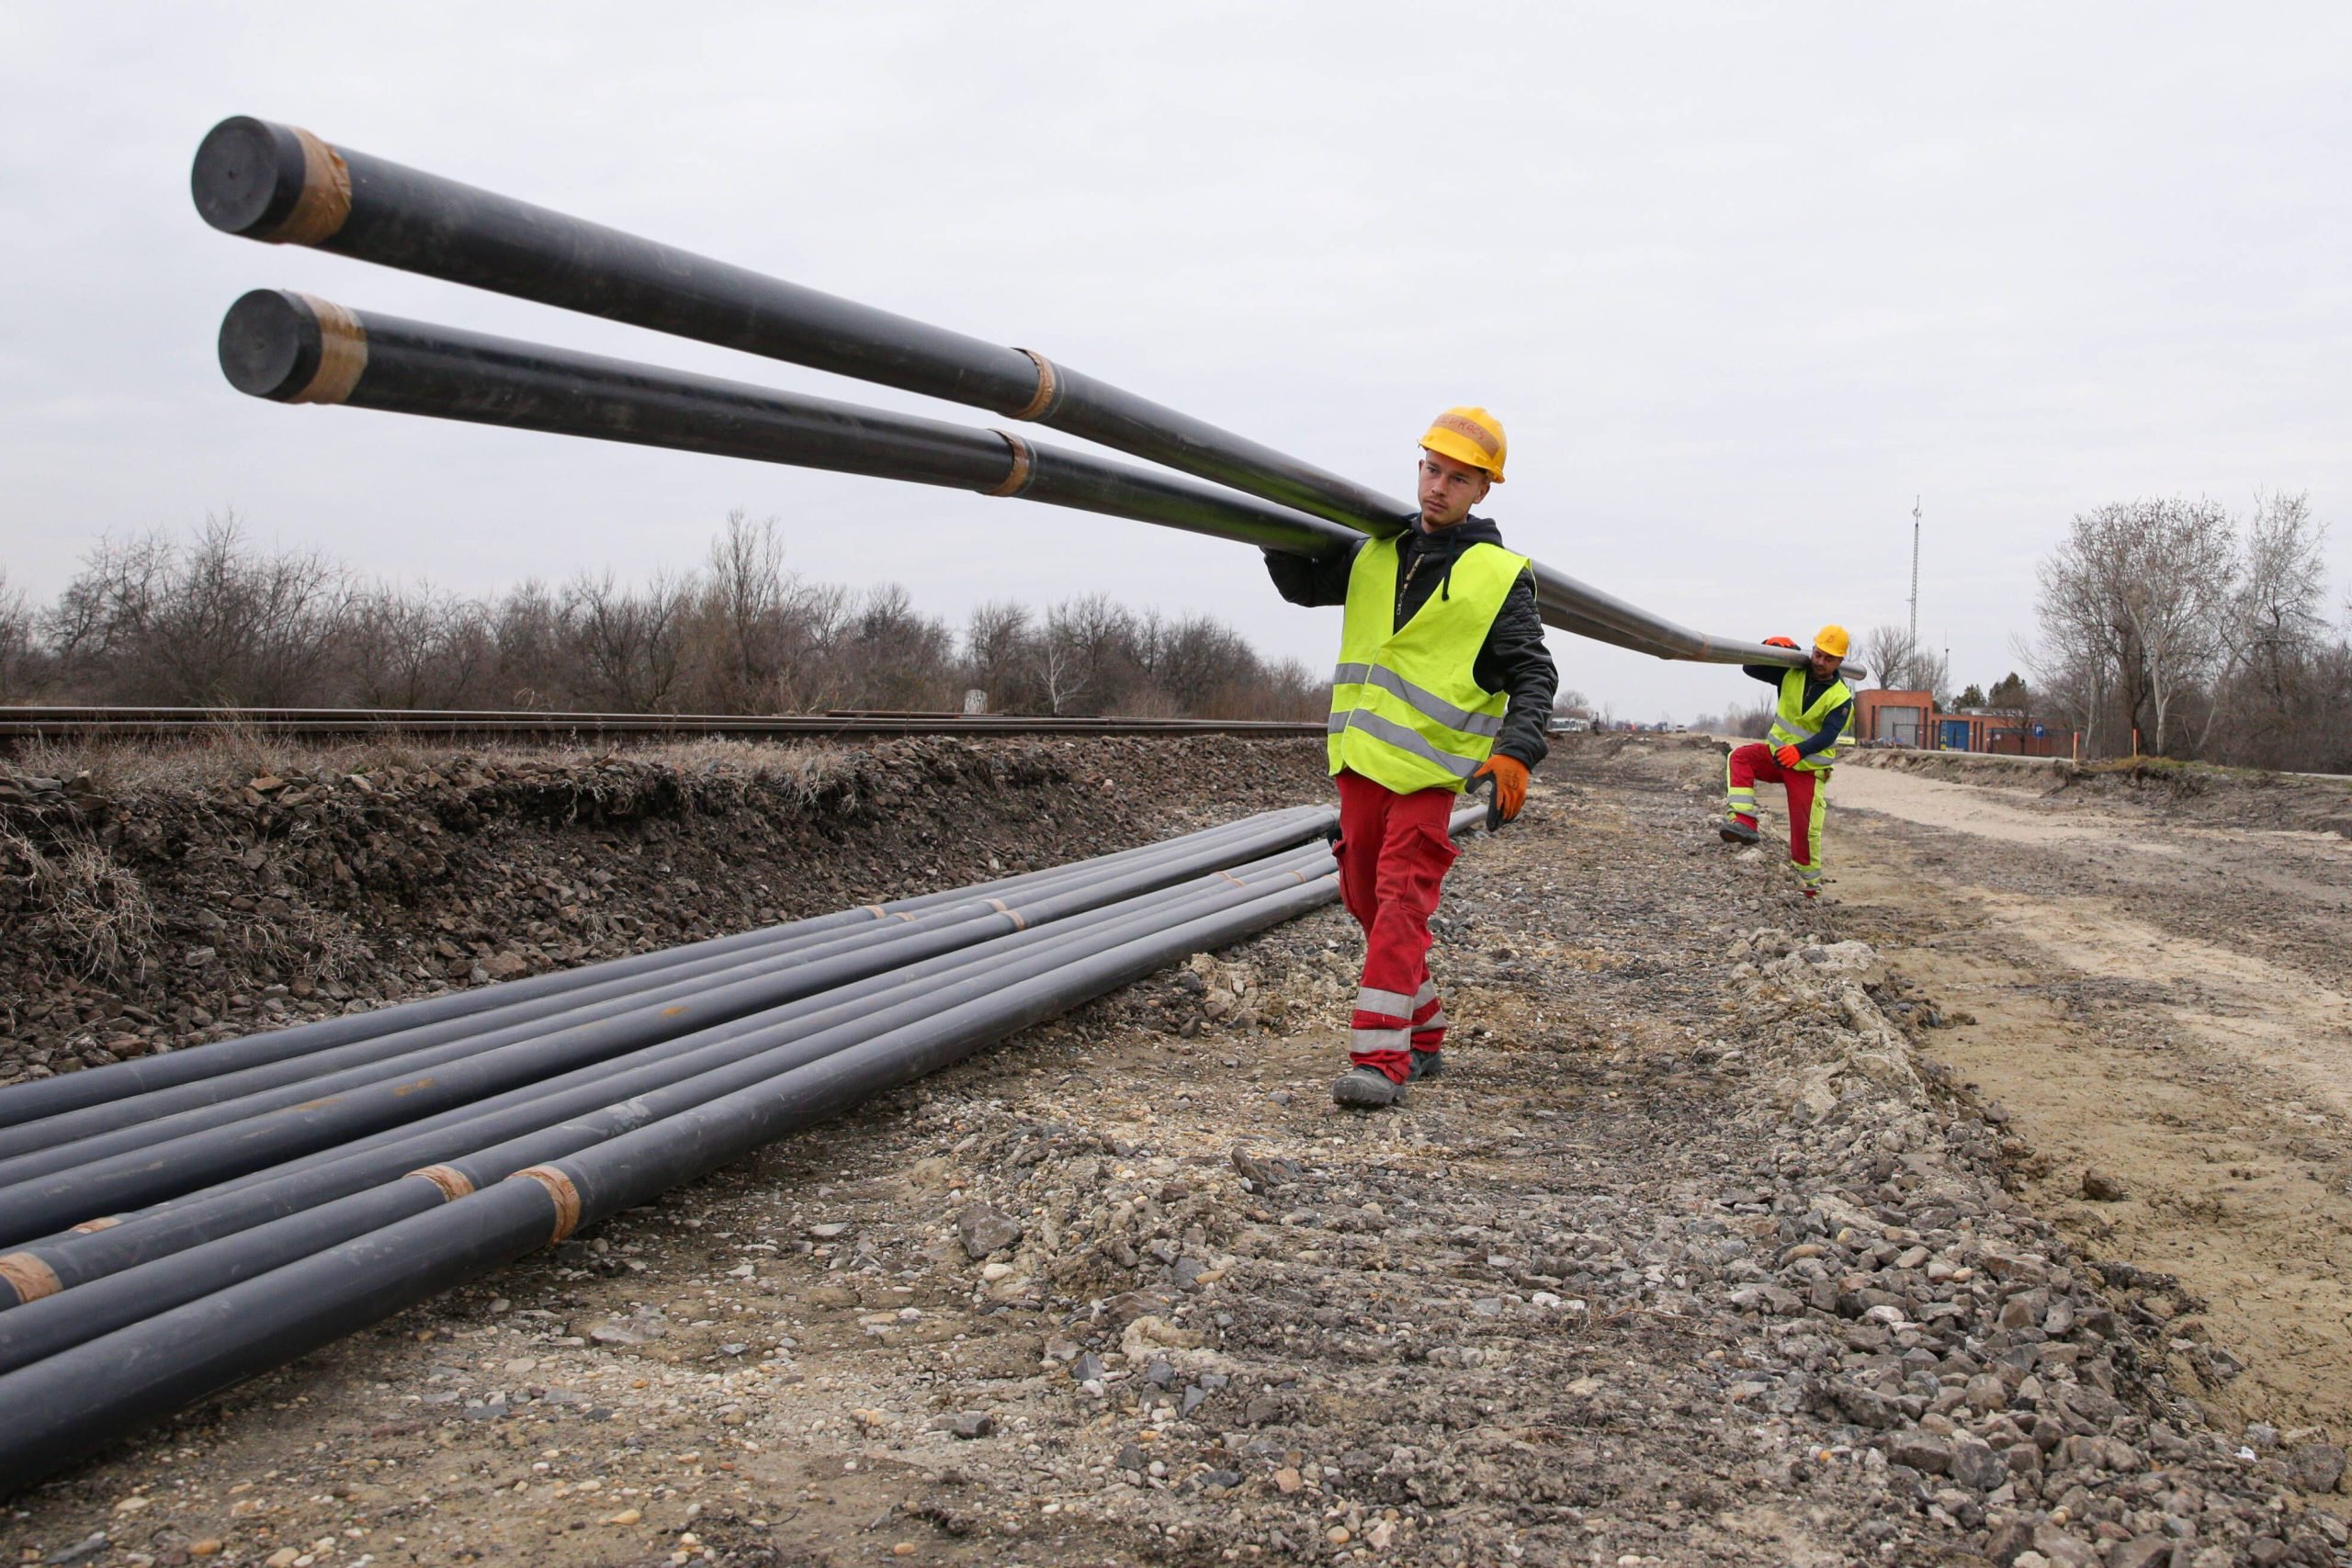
x: 1889, y: 717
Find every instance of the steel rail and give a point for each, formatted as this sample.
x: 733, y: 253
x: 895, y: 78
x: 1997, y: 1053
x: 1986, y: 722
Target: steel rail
x: 691, y: 983
x: 301, y: 1213
x: 59, y: 722
x: 281, y: 185
x: 537, y: 995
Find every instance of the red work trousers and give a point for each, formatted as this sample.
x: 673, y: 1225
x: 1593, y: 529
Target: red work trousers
x: 1394, y: 852
x: 1808, y: 805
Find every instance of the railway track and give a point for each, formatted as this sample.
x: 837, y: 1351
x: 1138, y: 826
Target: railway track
x: 60, y: 723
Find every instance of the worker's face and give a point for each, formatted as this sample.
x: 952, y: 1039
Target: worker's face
x: 1824, y: 665
x: 1449, y: 490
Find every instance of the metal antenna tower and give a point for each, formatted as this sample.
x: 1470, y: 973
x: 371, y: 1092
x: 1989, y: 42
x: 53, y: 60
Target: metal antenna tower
x: 1914, y: 570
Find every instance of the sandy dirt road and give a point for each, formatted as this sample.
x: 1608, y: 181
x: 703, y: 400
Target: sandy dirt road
x: 2164, y: 996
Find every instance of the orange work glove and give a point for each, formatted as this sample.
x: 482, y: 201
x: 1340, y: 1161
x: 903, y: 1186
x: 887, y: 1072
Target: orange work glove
x: 1780, y: 642
x: 1511, y: 783
x: 1787, y: 757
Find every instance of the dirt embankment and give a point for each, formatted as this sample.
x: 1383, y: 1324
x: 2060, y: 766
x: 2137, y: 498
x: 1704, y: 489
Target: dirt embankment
x: 2157, y: 989
x: 1694, y: 1254
x: 156, y: 901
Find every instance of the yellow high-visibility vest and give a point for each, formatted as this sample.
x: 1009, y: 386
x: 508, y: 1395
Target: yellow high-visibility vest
x: 1794, y: 724
x: 1406, y: 711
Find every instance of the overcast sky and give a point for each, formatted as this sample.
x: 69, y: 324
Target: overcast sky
x: 1741, y: 280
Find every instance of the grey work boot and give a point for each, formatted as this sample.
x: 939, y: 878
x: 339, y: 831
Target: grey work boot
x: 1367, y: 1088
x: 1737, y: 832
x: 1426, y: 1065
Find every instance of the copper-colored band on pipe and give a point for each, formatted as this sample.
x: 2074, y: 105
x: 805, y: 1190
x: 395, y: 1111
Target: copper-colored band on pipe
x: 104, y: 1222
x: 1010, y: 913
x: 559, y: 1188
x: 324, y: 205
x: 1016, y: 478
x: 343, y: 354
x: 878, y: 912
x: 1046, y: 387
x: 454, y: 1183
x: 29, y: 1277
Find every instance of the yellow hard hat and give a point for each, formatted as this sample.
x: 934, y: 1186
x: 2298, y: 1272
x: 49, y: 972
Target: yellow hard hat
x: 1833, y: 641
x: 1469, y: 436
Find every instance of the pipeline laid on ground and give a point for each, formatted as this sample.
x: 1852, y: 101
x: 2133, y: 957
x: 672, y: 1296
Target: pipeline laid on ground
x: 179, y: 1229
x: 282, y: 185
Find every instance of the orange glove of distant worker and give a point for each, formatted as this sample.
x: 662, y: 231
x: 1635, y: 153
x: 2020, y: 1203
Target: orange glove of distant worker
x: 1780, y: 642
x: 1511, y: 783
x: 1787, y: 757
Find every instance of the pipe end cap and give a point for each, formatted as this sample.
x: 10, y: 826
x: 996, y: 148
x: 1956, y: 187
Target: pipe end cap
x: 248, y: 176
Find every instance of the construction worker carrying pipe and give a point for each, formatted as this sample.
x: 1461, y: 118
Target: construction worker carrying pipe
x: 1443, y: 679
x: 1809, y: 713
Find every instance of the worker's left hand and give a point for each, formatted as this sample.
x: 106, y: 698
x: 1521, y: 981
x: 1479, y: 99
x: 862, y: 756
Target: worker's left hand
x: 1511, y: 783
x: 1786, y: 756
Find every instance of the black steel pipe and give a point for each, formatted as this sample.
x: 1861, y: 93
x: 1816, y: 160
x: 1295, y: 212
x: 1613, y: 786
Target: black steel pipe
x: 70, y: 1403
x: 277, y: 183
x: 807, y: 940
x: 292, y: 348
x: 305, y: 1213
x: 74, y: 1402
x: 48, y: 1189
x: 539, y: 994
x: 62, y: 1261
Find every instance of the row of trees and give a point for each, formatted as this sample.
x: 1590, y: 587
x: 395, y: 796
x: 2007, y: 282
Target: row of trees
x: 2206, y: 635
x: 216, y: 621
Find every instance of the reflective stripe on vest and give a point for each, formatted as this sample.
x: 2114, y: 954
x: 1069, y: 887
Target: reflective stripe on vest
x: 1406, y: 711
x: 1794, y: 724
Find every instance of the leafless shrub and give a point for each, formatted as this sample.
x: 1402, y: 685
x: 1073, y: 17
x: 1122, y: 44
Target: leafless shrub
x: 216, y: 622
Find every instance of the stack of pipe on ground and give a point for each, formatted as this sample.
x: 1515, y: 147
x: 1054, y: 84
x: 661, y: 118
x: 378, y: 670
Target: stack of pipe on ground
x: 179, y: 1224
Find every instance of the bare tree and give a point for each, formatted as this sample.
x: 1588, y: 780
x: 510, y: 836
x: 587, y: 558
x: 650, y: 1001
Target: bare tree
x: 18, y: 647
x: 631, y: 645
x: 1898, y: 661
x: 2275, y: 628
x: 216, y: 622
x: 415, y: 649
x: 746, y: 606
x: 995, y: 647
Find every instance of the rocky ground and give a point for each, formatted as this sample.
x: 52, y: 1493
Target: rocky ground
x: 1697, y: 1254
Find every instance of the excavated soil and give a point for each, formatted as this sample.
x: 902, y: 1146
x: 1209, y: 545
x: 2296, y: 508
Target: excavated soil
x: 158, y: 902
x: 1697, y: 1254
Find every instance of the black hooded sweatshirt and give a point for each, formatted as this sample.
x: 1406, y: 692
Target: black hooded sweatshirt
x: 1512, y: 660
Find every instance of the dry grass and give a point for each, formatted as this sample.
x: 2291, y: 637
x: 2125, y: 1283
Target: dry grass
x: 232, y: 754
x: 92, y: 915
